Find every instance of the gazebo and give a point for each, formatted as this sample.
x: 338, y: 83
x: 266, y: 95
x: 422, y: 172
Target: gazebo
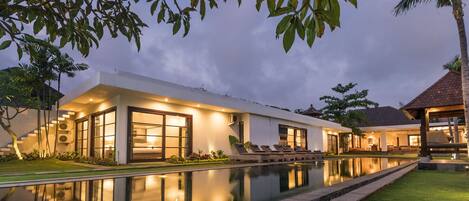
x: 441, y: 100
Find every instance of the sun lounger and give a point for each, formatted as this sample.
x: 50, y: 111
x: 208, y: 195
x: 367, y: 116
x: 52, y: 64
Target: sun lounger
x: 245, y: 156
x: 272, y: 156
x: 288, y: 153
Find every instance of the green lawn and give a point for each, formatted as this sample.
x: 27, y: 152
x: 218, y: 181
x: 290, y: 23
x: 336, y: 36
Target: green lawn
x: 426, y: 186
x: 37, y: 166
x: 55, y: 165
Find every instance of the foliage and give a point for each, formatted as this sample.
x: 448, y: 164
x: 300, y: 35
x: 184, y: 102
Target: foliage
x: 82, y: 24
x: 343, y: 109
x: 9, y: 157
x: 454, y: 64
x: 233, y: 140
x: 97, y: 161
x: 199, y: 156
x: 68, y: 156
x: 405, y: 5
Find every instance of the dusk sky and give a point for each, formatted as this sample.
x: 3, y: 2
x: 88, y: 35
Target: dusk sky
x: 234, y: 51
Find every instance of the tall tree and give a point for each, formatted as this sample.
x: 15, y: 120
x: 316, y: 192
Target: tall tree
x: 82, y: 23
x: 458, y: 14
x: 15, y: 98
x: 344, y: 108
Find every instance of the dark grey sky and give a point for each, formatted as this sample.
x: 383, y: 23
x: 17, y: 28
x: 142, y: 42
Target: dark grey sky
x: 234, y: 51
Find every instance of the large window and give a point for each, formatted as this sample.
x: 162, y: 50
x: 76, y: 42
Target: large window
x: 81, y: 142
x: 332, y: 144
x: 104, y: 133
x: 158, y: 135
x: 414, y: 140
x: 293, y: 137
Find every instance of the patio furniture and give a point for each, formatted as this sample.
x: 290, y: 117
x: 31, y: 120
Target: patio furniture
x: 307, y: 153
x: 289, y: 154
x: 245, y: 156
x: 271, y: 156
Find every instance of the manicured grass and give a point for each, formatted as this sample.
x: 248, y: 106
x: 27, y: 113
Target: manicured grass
x: 114, y: 171
x: 426, y: 186
x: 38, y: 166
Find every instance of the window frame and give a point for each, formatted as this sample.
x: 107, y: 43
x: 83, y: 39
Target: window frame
x: 189, y: 127
x: 93, y: 131
x: 295, y: 135
x: 88, y: 137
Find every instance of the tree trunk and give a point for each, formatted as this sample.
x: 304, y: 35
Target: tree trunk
x: 14, y: 139
x: 57, y: 115
x: 459, y: 17
x: 456, y: 134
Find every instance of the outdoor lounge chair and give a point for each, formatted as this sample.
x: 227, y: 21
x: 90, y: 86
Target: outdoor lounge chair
x: 306, y: 153
x: 245, y: 156
x: 273, y: 156
x: 289, y: 154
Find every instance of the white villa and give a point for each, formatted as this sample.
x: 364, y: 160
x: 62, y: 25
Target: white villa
x: 131, y: 118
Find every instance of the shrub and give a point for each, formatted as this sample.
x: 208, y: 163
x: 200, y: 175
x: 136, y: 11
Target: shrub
x: 221, y: 154
x: 233, y: 139
x: 35, y: 155
x: 9, y: 157
x: 67, y: 156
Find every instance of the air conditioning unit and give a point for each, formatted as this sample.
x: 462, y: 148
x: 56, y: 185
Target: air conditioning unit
x: 64, y: 138
x: 63, y: 126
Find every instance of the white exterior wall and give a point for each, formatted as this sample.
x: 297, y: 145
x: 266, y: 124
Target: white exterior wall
x: 210, y: 129
x: 264, y: 131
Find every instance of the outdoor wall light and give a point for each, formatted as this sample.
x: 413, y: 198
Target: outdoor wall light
x: 91, y: 100
x: 166, y: 100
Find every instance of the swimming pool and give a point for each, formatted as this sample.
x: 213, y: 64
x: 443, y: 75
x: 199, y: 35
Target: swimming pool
x: 252, y: 183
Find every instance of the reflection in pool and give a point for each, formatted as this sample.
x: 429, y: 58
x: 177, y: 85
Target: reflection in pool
x: 252, y: 183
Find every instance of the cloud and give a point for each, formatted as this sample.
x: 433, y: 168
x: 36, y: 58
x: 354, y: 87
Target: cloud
x: 234, y: 51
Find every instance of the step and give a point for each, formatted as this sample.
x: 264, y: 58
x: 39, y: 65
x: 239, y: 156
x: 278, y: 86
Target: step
x: 66, y: 116
x: 61, y: 118
x: 32, y: 135
x: 25, y: 137
x: 71, y: 113
x: 9, y: 145
x: 4, y: 149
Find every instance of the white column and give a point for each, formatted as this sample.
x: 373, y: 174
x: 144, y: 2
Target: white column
x: 384, y: 143
x: 121, y: 132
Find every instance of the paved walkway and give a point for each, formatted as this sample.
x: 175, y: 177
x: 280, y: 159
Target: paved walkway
x: 365, y: 191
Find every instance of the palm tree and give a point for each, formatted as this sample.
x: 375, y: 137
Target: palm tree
x: 453, y: 65
x: 458, y: 14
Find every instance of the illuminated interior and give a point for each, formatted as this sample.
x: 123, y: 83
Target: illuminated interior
x: 158, y: 135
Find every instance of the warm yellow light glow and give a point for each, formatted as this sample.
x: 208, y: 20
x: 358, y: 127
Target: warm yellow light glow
x: 108, y: 184
x: 198, y: 105
x: 91, y: 100
x: 166, y: 100
x: 222, y: 110
x: 163, y: 176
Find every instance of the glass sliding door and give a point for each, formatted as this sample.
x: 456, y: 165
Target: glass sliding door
x: 147, y: 136
x: 332, y: 142
x: 104, y: 132
x: 157, y: 135
x: 293, y: 137
x: 81, y: 142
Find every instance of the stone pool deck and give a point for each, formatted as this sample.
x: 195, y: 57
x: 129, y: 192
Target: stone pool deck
x: 358, y: 188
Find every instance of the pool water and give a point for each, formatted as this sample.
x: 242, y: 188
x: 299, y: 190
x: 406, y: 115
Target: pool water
x: 252, y: 183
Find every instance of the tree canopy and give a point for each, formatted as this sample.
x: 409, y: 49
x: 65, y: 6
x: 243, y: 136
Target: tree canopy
x: 344, y: 108
x: 83, y: 23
